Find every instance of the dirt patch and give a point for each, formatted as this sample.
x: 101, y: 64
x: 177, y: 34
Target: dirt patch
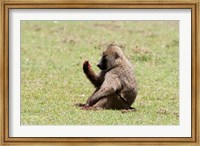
x: 108, y: 26
x: 141, y: 50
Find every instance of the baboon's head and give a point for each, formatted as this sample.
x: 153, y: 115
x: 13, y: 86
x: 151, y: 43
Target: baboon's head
x: 111, y: 57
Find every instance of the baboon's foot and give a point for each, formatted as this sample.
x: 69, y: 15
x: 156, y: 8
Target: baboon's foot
x: 128, y: 110
x: 91, y: 108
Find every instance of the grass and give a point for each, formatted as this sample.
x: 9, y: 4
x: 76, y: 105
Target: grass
x: 52, y: 80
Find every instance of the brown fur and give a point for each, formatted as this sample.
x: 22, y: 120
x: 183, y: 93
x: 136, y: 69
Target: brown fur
x: 115, y: 84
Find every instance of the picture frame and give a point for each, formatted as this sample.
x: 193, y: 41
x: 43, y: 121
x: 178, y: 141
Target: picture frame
x: 111, y: 4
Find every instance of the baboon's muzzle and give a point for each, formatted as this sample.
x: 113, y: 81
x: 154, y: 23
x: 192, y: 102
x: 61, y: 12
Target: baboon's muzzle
x: 102, y: 64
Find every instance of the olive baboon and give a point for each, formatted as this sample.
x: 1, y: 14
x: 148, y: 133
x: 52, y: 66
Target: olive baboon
x: 115, y: 84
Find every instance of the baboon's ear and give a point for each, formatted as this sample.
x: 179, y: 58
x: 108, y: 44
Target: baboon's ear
x: 116, y: 55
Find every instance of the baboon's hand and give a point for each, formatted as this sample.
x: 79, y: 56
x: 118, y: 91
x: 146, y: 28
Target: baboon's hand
x: 86, y: 66
x: 90, y: 102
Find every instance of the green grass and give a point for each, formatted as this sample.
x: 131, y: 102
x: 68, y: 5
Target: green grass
x: 52, y: 80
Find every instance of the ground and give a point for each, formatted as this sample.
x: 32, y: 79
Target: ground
x: 52, y: 80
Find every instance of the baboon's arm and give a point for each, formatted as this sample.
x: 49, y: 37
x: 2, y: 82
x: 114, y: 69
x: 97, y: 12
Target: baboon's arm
x: 110, y: 85
x: 91, y: 75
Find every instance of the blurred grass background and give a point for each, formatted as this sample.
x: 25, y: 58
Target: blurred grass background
x: 52, y: 80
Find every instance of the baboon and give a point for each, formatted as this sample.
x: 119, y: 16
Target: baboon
x: 115, y: 84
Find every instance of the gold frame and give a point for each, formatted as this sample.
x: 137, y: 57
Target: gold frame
x: 179, y: 4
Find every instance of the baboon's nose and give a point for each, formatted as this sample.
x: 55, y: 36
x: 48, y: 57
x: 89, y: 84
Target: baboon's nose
x: 98, y: 65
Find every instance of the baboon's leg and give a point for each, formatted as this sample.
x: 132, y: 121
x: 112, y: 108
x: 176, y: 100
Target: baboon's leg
x: 111, y: 102
x: 110, y: 85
